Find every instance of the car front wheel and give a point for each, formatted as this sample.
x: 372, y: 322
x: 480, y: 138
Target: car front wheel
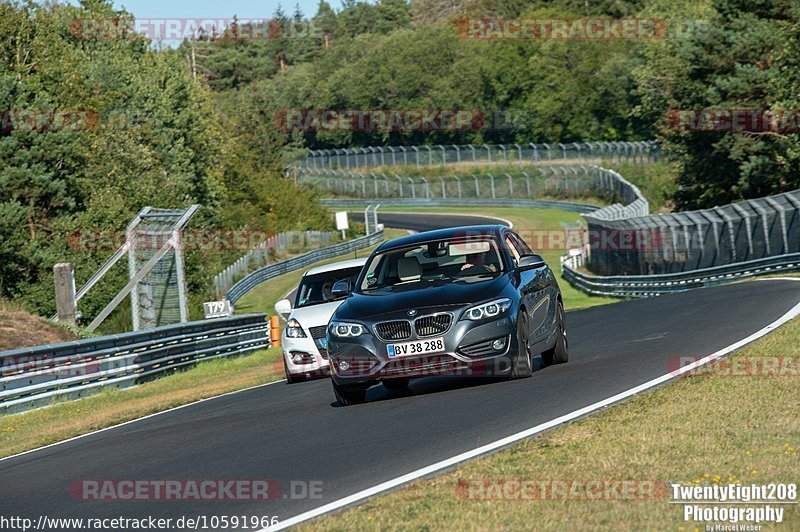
x: 522, y: 365
x: 349, y: 395
x: 560, y: 352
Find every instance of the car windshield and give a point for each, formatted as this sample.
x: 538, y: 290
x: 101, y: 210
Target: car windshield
x: 316, y: 289
x: 458, y: 260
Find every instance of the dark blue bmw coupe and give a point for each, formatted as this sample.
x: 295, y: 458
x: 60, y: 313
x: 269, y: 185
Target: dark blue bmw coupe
x: 461, y: 301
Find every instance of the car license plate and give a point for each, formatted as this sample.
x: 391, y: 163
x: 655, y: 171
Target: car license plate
x: 417, y: 347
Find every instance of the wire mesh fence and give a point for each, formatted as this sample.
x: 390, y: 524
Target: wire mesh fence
x: 159, y: 298
x: 623, y: 238
x: 501, y: 154
x: 545, y: 181
x: 685, y: 241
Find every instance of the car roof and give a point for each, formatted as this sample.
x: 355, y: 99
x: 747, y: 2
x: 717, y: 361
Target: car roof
x: 442, y: 234
x: 341, y: 265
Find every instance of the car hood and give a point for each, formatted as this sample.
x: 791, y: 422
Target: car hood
x: 364, y: 305
x: 315, y: 315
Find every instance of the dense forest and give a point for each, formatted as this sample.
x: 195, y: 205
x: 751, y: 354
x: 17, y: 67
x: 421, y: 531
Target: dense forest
x: 154, y: 136
x: 195, y: 122
x: 712, y: 54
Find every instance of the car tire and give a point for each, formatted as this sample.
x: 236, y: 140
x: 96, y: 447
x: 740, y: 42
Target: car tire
x: 522, y: 367
x: 290, y: 379
x: 348, y: 395
x: 396, y: 384
x: 559, y: 354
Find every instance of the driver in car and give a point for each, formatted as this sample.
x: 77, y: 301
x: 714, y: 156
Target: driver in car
x: 480, y: 261
x: 327, y: 289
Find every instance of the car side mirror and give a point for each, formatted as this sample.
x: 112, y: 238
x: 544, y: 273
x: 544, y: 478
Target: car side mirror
x: 283, y: 308
x: 341, y: 289
x: 530, y: 262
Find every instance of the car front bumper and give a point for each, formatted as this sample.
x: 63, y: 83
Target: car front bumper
x: 468, y: 352
x: 314, y: 363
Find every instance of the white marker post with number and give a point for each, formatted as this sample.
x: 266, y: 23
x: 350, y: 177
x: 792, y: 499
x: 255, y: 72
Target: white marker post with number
x: 218, y: 309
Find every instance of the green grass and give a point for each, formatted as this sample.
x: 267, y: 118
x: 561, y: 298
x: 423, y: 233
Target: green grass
x: 657, y: 182
x: 698, y: 430
x: 28, y: 430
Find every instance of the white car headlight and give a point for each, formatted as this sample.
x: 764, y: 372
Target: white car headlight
x: 491, y: 309
x: 294, y: 330
x: 345, y: 330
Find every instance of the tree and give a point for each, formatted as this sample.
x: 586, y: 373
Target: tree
x: 739, y: 60
x: 325, y: 22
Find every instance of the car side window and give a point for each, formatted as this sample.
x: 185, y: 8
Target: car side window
x: 522, y: 246
x: 512, y: 248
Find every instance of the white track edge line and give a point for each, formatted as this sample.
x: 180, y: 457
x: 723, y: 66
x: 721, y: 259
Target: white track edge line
x: 135, y: 419
x: 474, y: 453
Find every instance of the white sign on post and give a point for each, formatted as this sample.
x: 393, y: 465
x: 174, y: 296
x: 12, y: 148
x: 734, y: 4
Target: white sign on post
x: 218, y: 309
x: 341, y: 222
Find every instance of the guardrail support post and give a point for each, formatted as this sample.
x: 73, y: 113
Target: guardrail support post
x: 183, y: 303
x: 66, y: 304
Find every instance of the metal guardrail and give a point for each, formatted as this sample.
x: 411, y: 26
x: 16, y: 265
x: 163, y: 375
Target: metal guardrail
x: 260, y: 255
x: 635, y: 286
x: 38, y: 376
x: 262, y: 275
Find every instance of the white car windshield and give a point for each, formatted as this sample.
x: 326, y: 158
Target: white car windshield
x: 316, y: 289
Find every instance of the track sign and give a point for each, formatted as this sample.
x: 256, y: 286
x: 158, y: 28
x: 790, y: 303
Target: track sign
x: 341, y: 221
x: 218, y: 309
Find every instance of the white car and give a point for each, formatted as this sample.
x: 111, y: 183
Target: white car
x: 303, y: 339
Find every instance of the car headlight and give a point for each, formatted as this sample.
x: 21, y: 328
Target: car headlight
x: 345, y: 330
x: 487, y: 310
x: 294, y: 330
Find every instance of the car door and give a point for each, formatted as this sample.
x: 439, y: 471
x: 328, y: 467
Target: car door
x: 539, y: 296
